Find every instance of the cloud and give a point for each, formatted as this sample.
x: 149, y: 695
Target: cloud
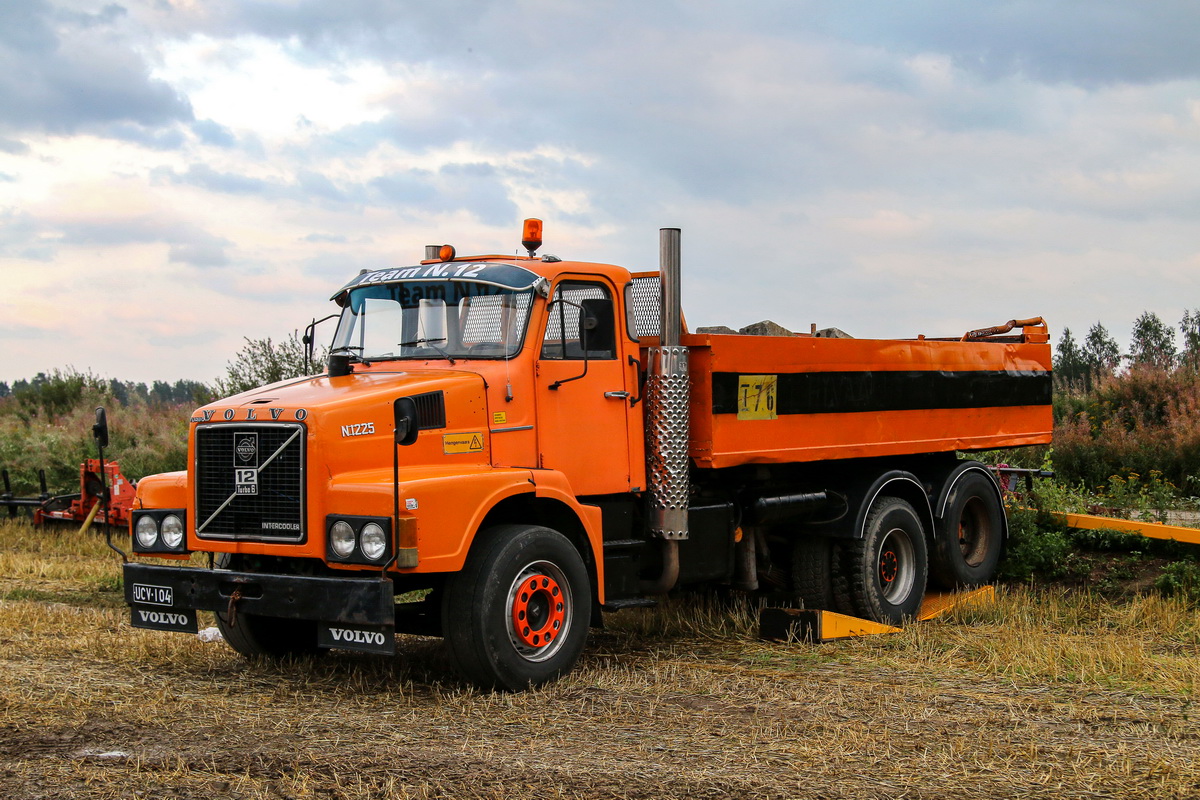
x: 188, y: 243
x: 214, y: 134
x: 887, y: 168
x: 13, y: 147
x: 94, y: 219
x: 63, y: 72
x: 208, y: 252
x: 205, y: 177
x: 1086, y: 42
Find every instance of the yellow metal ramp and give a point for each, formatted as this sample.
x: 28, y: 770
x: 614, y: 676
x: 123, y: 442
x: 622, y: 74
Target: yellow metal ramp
x: 1151, y: 530
x: 818, y: 625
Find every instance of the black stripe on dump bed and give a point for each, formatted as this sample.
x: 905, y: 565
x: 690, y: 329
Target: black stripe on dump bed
x: 864, y: 391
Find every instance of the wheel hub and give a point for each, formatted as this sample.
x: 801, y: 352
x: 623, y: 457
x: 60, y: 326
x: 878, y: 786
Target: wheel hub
x: 889, y: 566
x: 538, y: 611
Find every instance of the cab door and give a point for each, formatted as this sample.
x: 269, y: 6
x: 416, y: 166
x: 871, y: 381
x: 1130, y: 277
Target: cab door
x: 583, y: 389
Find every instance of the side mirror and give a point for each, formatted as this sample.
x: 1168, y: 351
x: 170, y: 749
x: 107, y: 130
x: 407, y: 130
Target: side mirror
x: 404, y: 412
x: 100, y: 429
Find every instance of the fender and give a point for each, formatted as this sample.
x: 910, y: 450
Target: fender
x: 449, y: 504
x: 957, y: 474
x: 167, y: 490
x: 553, y: 484
x: 902, y: 484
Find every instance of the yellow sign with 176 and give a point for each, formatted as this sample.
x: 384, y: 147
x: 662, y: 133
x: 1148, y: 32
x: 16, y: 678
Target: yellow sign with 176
x: 757, y: 396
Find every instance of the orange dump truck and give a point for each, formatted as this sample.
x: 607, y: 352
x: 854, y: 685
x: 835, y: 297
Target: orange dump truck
x: 504, y: 447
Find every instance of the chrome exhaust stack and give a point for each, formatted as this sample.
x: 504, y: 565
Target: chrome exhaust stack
x: 667, y: 406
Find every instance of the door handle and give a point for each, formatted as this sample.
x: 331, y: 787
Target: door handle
x: 617, y: 395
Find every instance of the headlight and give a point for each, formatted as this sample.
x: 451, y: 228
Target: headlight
x: 172, y: 531
x: 373, y: 541
x: 147, y: 532
x: 341, y: 539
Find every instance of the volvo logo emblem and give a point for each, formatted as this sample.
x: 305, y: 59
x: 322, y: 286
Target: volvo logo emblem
x: 246, y: 447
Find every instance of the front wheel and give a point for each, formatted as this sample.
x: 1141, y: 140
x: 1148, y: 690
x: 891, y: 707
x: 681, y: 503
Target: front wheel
x: 887, y: 568
x: 517, y: 614
x: 252, y: 635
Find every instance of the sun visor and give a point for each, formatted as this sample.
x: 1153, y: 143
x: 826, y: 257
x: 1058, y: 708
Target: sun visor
x: 506, y: 276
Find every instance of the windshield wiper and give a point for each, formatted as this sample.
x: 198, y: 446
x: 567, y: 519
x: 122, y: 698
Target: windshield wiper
x: 431, y: 342
x: 347, y: 348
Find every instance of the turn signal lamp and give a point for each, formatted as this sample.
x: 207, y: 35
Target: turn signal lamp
x: 446, y: 252
x: 531, y: 236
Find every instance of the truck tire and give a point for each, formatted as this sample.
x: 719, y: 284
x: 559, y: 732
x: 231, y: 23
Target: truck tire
x: 814, y: 564
x: 969, y: 539
x: 887, y: 568
x: 252, y: 635
x: 517, y: 615
x: 271, y: 637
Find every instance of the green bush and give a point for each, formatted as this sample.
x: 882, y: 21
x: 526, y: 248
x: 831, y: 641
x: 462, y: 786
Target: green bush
x: 1144, y: 421
x: 1036, y: 547
x: 47, y: 424
x: 263, y: 361
x: 1180, y: 579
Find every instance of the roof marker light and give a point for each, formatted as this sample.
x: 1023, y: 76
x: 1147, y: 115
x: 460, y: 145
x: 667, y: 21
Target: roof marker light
x: 446, y: 252
x: 531, y: 236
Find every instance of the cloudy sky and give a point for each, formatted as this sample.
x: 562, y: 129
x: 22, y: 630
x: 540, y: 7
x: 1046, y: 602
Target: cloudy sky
x: 178, y: 174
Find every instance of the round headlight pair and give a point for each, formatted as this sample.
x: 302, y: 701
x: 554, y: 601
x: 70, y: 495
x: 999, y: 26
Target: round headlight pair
x: 371, y: 540
x: 170, y: 529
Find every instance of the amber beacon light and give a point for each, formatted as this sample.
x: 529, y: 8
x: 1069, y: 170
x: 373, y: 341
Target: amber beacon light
x: 531, y: 236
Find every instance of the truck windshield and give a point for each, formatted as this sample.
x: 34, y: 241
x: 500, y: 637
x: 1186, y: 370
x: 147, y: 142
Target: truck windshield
x: 433, y: 319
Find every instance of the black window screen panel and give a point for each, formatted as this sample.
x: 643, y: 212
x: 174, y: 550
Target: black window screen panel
x: 562, y: 331
x: 644, y: 306
x: 250, y: 482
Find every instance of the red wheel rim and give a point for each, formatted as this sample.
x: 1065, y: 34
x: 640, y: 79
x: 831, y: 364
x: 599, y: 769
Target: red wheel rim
x: 889, y: 566
x: 538, y: 611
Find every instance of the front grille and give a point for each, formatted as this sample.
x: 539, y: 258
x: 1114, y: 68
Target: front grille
x: 250, y: 482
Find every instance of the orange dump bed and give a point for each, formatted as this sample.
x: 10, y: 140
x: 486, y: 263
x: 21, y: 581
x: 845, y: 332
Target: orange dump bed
x: 772, y: 399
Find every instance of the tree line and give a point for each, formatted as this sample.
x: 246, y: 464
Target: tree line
x: 259, y: 362
x: 58, y: 389
x: 1080, y: 367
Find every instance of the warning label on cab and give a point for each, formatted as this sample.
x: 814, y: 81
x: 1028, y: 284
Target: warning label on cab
x: 454, y: 443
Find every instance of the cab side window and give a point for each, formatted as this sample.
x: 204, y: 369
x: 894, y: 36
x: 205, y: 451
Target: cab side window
x: 581, y: 322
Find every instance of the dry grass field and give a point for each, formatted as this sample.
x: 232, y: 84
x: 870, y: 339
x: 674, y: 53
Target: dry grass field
x: 1044, y: 694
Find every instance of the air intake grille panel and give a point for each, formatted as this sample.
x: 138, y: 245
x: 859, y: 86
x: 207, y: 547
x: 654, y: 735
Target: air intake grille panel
x: 645, y: 306
x: 431, y: 410
x: 250, y: 482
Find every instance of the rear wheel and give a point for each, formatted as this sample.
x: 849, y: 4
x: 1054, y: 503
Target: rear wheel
x: 887, y: 568
x: 814, y: 572
x: 517, y: 614
x: 970, y: 537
